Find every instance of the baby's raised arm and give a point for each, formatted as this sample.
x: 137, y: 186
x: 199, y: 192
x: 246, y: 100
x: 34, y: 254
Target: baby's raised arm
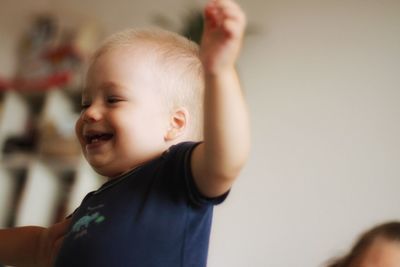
x: 218, y: 160
x: 31, y: 246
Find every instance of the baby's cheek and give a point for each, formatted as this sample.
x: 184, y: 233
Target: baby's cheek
x: 78, y: 129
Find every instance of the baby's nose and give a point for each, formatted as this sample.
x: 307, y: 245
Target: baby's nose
x: 92, y: 114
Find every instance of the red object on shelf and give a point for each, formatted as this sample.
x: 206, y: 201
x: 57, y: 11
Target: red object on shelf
x: 59, y: 53
x: 58, y: 79
x: 4, y: 84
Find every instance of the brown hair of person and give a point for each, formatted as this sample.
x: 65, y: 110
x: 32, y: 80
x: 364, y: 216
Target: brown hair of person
x: 389, y: 231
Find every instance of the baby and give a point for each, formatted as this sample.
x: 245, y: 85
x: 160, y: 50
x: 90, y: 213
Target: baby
x: 166, y: 122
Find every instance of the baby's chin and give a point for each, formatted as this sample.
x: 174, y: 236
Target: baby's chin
x: 100, y: 167
x: 111, y: 172
x: 106, y: 172
x: 106, y: 166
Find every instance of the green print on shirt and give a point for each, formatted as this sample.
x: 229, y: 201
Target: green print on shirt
x: 83, y: 223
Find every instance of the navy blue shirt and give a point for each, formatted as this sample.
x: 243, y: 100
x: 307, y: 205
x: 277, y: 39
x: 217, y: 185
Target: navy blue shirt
x: 153, y: 216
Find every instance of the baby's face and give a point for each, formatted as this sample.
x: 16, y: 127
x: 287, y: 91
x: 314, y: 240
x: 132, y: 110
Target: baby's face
x: 382, y: 253
x: 123, y: 120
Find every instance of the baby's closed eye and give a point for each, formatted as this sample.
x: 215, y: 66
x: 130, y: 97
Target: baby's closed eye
x: 114, y: 99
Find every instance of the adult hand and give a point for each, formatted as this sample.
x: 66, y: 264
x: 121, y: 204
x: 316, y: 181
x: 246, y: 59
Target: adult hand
x: 50, y: 242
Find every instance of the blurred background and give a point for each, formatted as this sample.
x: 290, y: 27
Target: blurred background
x: 322, y: 80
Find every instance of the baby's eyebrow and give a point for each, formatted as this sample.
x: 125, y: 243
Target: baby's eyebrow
x: 105, y: 87
x: 111, y: 85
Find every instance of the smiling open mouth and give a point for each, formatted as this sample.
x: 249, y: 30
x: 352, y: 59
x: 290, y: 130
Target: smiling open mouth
x: 95, y: 138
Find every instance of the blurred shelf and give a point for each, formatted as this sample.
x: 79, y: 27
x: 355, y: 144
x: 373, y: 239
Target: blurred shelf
x: 24, y: 160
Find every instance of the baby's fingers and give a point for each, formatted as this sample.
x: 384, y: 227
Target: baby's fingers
x: 226, y: 14
x: 212, y: 15
x: 232, y: 29
x: 229, y: 9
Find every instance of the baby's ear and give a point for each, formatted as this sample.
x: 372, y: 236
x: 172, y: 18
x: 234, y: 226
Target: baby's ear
x: 178, y: 124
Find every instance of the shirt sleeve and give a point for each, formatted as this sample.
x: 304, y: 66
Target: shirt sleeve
x: 179, y: 158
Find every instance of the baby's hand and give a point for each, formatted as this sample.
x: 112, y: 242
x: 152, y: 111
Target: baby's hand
x: 222, y: 37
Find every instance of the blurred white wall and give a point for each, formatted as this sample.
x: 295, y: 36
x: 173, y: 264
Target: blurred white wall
x: 323, y: 86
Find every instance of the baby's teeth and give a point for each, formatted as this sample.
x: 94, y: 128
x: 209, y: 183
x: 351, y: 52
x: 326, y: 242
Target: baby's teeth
x: 95, y: 140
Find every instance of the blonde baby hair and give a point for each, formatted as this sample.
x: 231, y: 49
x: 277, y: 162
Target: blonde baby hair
x: 182, y: 81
